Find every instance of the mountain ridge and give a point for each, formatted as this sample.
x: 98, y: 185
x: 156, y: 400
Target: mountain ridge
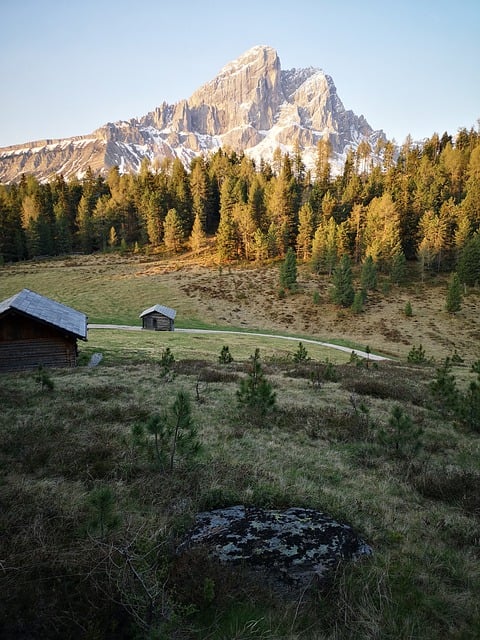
x: 252, y: 105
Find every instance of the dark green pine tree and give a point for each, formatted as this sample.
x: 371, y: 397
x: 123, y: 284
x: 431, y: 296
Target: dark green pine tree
x: 468, y: 267
x: 256, y: 393
x: 227, y: 236
x: 185, y: 440
x: 288, y: 271
x: 398, y: 268
x: 368, y: 278
x: 454, y: 294
x: 199, y: 188
x: 469, y: 407
x: 11, y: 232
x: 63, y: 235
x: 173, y: 231
x: 181, y: 196
x: 343, y: 292
x: 197, y: 237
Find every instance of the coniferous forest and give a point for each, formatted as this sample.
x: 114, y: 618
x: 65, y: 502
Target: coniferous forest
x: 420, y: 202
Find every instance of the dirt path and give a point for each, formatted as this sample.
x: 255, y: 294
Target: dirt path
x: 361, y: 354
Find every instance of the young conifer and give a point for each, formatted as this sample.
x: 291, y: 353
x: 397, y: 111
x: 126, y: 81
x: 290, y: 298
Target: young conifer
x: 343, y: 292
x: 288, y: 271
x: 255, y: 391
x: 454, y: 294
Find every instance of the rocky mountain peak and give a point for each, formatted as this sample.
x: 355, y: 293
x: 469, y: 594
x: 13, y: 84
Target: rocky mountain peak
x: 259, y: 58
x: 246, y: 92
x: 252, y: 105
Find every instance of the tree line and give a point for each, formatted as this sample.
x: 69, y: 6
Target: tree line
x: 421, y: 202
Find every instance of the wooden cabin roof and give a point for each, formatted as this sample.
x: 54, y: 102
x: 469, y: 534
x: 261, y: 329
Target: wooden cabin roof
x: 160, y: 308
x: 46, y: 310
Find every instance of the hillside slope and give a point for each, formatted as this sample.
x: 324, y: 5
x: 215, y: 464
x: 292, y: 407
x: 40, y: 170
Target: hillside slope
x: 114, y: 289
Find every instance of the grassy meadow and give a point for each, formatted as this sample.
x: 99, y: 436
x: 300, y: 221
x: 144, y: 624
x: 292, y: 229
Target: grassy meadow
x: 89, y: 520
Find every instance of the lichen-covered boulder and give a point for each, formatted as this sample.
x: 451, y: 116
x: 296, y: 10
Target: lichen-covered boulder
x: 296, y: 546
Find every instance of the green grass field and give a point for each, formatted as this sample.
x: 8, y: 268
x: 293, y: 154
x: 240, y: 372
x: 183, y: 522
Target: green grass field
x: 136, y: 345
x: 106, y: 289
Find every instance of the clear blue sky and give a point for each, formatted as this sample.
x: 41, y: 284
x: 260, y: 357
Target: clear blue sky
x: 68, y: 67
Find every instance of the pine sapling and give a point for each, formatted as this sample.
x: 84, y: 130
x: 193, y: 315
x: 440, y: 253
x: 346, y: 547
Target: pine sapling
x: 225, y: 356
x: 166, y: 362
x: 401, y: 435
x: 469, y: 407
x: 444, y: 388
x: 255, y: 391
x: 103, y: 515
x: 174, y: 434
x: 301, y: 354
x: 184, y: 438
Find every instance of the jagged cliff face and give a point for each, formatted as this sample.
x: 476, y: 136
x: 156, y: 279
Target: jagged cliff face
x: 252, y: 105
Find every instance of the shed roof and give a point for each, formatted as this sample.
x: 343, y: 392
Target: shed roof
x: 160, y: 308
x: 54, y: 313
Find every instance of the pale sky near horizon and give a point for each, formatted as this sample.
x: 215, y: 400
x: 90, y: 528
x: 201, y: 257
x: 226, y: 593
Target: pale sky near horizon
x: 67, y: 68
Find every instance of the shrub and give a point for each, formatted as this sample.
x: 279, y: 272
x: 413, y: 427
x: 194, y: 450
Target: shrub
x: 44, y: 379
x: 218, y: 498
x: 417, y: 355
x: 378, y: 388
x: 330, y: 372
x: 408, y: 310
x: 454, y: 486
x: 457, y: 358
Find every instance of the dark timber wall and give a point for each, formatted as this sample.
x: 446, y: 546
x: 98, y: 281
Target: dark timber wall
x: 26, y: 343
x: 157, y: 322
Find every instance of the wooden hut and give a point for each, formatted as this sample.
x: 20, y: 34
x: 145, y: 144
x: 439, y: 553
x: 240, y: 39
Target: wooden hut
x: 158, y: 318
x: 37, y: 331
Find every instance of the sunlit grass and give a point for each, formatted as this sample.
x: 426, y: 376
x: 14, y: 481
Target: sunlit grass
x: 126, y: 344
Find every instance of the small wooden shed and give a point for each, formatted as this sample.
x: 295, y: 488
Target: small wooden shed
x: 158, y: 318
x: 37, y: 331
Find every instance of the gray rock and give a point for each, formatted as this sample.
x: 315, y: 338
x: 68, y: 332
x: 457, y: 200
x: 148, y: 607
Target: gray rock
x: 95, y: 359
x: 296, y: 547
